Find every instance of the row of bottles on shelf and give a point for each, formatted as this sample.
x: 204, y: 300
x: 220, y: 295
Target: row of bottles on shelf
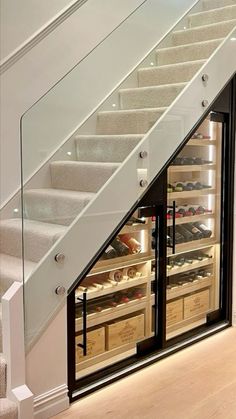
x: 190, y: 161
x: 188, y: 259
x: 187, y: 186
x: 188, y: 232
x: 123, y: 245
x: 112, y: 300
x: 188, y: 278
x: 199, y: 136
x: 108, y: 280
x: 187, y: 210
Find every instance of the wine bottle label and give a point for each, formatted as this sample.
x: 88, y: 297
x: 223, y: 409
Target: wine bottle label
x: 194, y: 230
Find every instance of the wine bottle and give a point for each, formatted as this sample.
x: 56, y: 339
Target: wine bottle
x: 170, y: 188
x: 188, y: 236
x: 197, y: 235
x: 109, y: 253
x: 121, y: 248
x: 178, y: 236
x: 133, y: 220
x: 116, y: 275
x: 204, y: 230
x: 131, y: 242
x: 178, y: 186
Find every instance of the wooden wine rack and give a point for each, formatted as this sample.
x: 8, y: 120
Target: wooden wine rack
x: 195, y: 293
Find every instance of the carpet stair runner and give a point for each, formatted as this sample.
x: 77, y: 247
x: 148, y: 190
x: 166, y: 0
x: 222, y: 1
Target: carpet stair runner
x: 48, y: 211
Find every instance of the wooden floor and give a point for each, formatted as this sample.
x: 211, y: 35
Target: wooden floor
x: 196, y: 383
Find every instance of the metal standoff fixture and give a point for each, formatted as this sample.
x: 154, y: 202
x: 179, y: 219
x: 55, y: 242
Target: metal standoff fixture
x: 60, y: 290
x: 205, y: 77
x: 60, y: 257
x: 143, y: 154
x: 143, y: 183
x: 205, y: 103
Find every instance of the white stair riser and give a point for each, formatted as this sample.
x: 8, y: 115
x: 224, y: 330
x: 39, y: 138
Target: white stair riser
x: 186, y: 53
x: 168, y: 74
x: 149, y: 97
x: 127, y: 122
x: 220, y: 30
x: 102, y: 149
x: 212, y: 16
x: 81, y: 177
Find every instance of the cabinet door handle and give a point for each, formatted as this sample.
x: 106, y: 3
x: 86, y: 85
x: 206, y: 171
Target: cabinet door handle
x: 84, y: 344
x: 173, y: 238
x: 173, y: 207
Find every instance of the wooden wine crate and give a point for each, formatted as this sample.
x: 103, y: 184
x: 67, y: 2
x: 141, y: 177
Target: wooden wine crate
x: 196, y: 303
x: 128, y: 330
x: 174, y: 312
x: 95, y: 344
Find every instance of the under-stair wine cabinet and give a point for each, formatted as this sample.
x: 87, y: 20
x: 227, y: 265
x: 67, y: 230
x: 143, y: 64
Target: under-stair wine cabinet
x: 164, y: 279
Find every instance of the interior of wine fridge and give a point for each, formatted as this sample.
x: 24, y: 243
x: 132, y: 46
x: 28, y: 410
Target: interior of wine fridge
x: 164, y: 279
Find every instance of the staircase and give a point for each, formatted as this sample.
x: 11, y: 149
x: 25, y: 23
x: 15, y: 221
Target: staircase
x: 49, y: 211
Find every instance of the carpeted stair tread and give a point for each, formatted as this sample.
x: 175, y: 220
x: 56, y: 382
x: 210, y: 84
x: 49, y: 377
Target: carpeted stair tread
x: 171, y: 73
x: 38, y: 238
x: 135, y: 121
x: 0, y: 327
x: 187, y: 52
x: 57, y: 206
x: 3, y: 377
x: 81, y: 176
x: 202, y: 33
x: 214, y: 4
x: 212, y: 16
x: 150, y: 97
x: 105, y: 148
x: 11, y: 270
x: 8, y: 409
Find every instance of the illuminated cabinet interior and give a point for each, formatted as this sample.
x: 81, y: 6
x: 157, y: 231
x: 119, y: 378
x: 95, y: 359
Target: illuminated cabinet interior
x: 162, y: 277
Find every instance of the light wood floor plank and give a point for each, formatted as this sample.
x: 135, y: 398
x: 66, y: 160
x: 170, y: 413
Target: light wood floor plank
x: 196, y: 383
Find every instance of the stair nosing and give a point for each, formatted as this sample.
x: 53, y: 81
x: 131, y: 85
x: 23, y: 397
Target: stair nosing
x: 211, y: 10
x: 157, y: 67
x: 160, y: 109
x: 190, y: 45
x: 161, y: 86
x: 208, y: 25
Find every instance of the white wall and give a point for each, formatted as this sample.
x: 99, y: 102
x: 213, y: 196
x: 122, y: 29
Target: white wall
x: 21, y: 19
x: 34, y: 74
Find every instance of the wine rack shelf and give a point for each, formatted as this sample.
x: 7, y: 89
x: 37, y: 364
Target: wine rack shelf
x: 190, y: 194
x: 112, y: 313
x: 193, y: 245
x: 201, y: 142
x: 118, y: 263
x: 134, y: 228
x: 105, y: 359
x: 183, y: 290
x: 191, y: 219
x: 109, y: 289
x: 191, y: 168
x: 189, y: 267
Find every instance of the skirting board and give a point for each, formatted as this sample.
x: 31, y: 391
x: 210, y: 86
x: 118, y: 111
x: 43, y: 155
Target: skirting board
x: 51, y: 402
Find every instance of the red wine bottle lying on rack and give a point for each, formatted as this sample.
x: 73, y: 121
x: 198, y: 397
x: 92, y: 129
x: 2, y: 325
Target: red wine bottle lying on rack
x: 109, y: 253
x: 132, y: 243
x: 120, y: 247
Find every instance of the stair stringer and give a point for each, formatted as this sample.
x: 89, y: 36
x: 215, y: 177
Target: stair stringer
x: 115, y: 199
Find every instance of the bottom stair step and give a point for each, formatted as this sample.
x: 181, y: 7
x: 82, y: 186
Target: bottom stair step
x: 8, y: 409
x: 57, y: 206
x: 3, y: 382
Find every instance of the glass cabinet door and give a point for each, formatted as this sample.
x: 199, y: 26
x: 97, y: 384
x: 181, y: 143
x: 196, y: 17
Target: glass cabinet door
x: 193, y: 230
x: 115, y: 303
